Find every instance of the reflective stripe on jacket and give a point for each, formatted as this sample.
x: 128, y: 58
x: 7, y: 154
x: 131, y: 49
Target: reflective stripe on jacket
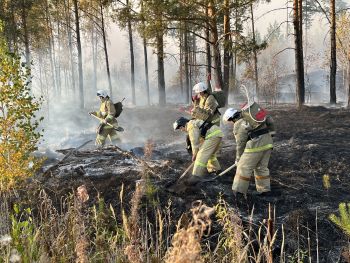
x: 261, y: 143
x: 194, y: 134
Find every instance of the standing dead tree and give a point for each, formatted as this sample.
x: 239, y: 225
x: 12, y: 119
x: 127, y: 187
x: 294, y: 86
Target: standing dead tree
x: 299, y: 57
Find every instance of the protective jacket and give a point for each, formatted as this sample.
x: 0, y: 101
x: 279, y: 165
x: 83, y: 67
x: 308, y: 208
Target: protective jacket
x: 107, y: 112
x: 207, y: 109
x: 204, y: 146
x: 245, y: 140
x: 253, y: 153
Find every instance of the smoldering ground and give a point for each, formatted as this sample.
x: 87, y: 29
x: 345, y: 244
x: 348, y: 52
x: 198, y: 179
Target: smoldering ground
x: 310, y: 143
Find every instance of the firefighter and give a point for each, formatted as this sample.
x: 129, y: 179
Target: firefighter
x: 253, y: 152
x: 205, y: 106
x: 107, y: 114
x: 205, y: 141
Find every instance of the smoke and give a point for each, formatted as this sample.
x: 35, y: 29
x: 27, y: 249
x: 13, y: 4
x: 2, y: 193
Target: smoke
x: 67, y: 126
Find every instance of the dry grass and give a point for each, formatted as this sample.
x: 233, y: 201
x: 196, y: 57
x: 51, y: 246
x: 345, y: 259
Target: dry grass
x: 186, y: 243
x: 140, y: 230
x: 143, y: 233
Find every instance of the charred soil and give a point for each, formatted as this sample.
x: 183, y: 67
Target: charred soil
x: 310, y: 144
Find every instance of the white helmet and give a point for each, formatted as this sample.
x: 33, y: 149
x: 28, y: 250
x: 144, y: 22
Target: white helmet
x: 102, y: 93
x: 199, y: 87
x: 230, y: 113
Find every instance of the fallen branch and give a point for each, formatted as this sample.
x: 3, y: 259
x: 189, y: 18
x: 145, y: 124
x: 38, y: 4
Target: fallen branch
x: 277, y: 181
x: 133, y: 156
x: 65, y: 158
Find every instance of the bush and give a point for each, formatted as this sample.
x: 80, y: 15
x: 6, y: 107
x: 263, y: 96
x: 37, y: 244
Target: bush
x: 18, y: 127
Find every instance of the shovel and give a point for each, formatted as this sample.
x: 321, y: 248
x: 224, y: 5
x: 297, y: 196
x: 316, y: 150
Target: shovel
x: 186, y: 171
x: 227, y: 170
x: 119, y: 129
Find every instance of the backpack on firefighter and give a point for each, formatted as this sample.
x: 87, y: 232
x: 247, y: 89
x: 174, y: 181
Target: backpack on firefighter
x: 256, y: 115
x: 258, y: 118
x: 118, y: 108
x: 219, y: 95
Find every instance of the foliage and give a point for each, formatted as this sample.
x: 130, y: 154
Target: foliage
x: 343, y: 38
x: 343, y: 220
x: 24, y: 234
x: 18, y: 133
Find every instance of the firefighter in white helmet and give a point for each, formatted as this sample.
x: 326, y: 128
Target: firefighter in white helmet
x: 205, y: 141
x: 253, y: 151
x: 205, y: 106
x: 107, y: 114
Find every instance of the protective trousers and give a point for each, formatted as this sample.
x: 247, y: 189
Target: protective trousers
x: 105, y: 132
x: 249, y: 163
x: 206, y: 157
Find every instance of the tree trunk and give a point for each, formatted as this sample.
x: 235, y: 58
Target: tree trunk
x: 333, y: 68
x: 301, y: 47
x: 181, y: 68
x: 348, y: 81
x: 299, y: 67
x: 227, y: 50
x: 186, y: 53
x: 51, y: 48
x: 234, y: 62
x: 13, y: 32
x: 215, y: 45
x: 80, y: 57
x: 58, y: 62
x: 26, y: 34
x: 132, y: 59
x: 94, y: 41
x: 72, y: 66
x: 70, y: 46
x: 160, y: 64
x: 105, y: 50
x: 208, y: 51
x: 145, y: 55
x: 254, y: 52
x: 146, y: 70
x: 194, y: 59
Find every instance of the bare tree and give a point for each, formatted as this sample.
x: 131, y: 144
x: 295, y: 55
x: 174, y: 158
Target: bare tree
x: 333, y: 66
x: 256, y: 77
x: 299, y: 60
x: 227, y: 48
x: 80, y: 56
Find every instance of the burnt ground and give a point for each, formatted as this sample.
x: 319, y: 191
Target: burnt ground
x: 310, y: 143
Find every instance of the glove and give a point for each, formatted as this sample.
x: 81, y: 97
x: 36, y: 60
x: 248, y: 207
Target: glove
x: 119, y: 129
x: 195, y: 98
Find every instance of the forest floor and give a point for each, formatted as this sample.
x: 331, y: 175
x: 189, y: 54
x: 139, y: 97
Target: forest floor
x: 310, y: 145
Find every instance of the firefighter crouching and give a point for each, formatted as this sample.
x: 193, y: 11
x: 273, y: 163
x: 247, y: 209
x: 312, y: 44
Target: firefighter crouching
x: 107, y: 114
x: 253, y: 150
x: 205, y: 141
x: 205, y: 105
